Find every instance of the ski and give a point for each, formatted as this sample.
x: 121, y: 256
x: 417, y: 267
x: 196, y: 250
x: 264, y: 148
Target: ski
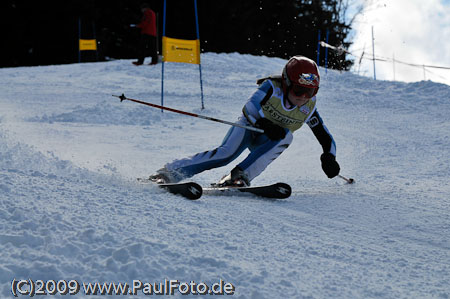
x: 189, y: 190
x: 277, y: 191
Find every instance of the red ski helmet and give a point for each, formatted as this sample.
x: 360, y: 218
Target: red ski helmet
x: 301, y: 74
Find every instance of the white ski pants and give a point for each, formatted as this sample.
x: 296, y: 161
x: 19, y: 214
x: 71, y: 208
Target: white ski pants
x: 262, y: 152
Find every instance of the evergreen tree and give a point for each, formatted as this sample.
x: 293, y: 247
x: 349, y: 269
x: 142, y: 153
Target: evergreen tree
x: 46, y: 32
x: 274, y: 28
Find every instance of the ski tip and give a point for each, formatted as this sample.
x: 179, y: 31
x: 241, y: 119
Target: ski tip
x: 194, y: 191
x: 284, y: 190
x: 188, y: 190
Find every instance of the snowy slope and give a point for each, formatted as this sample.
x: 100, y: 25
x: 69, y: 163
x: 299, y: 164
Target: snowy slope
x: 70, y: 208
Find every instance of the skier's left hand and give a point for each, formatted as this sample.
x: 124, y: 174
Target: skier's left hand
x: 329, y: 165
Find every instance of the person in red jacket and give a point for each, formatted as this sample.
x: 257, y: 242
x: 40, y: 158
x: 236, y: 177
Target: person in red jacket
x: 147, y: 42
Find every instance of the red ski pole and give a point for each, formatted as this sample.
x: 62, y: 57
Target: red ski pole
x: 123, y: 98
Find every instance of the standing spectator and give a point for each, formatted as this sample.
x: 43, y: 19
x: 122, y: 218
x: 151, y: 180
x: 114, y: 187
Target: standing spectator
x: 147, y: 43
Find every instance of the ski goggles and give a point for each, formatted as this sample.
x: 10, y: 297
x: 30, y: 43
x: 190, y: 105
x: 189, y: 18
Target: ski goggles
x: 301, y: 90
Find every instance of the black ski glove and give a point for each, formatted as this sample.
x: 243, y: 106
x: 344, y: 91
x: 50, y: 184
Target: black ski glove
x: 273, y: 131
x: 329, y: 165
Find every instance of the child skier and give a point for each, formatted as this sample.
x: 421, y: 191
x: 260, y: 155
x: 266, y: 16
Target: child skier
x: 280, y: 106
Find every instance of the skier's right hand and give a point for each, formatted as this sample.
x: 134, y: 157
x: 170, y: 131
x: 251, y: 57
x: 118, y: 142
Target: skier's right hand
x: 273, y: 131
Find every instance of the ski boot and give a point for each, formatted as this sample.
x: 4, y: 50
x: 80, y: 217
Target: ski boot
x: 162, y: 176
x: 236, y: 178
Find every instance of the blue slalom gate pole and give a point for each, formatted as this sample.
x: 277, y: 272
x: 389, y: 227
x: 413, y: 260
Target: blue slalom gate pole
x: 200, y: 63
x: 79, y: 37
x: 95, y: 38
x: 318, y: 48
x: 326, y: 53
x: 162, y: 62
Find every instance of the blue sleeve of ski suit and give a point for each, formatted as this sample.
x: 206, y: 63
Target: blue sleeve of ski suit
x: 252, y: 109
x: 322, y: 134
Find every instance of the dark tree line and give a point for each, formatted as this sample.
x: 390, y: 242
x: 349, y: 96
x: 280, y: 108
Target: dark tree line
x: 46, y: 32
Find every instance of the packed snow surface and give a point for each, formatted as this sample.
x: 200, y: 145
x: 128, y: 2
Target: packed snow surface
x: 70, y: 207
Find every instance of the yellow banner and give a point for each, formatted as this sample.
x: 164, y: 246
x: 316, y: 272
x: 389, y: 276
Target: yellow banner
x: 88, y: 44
x: 181, y: 50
